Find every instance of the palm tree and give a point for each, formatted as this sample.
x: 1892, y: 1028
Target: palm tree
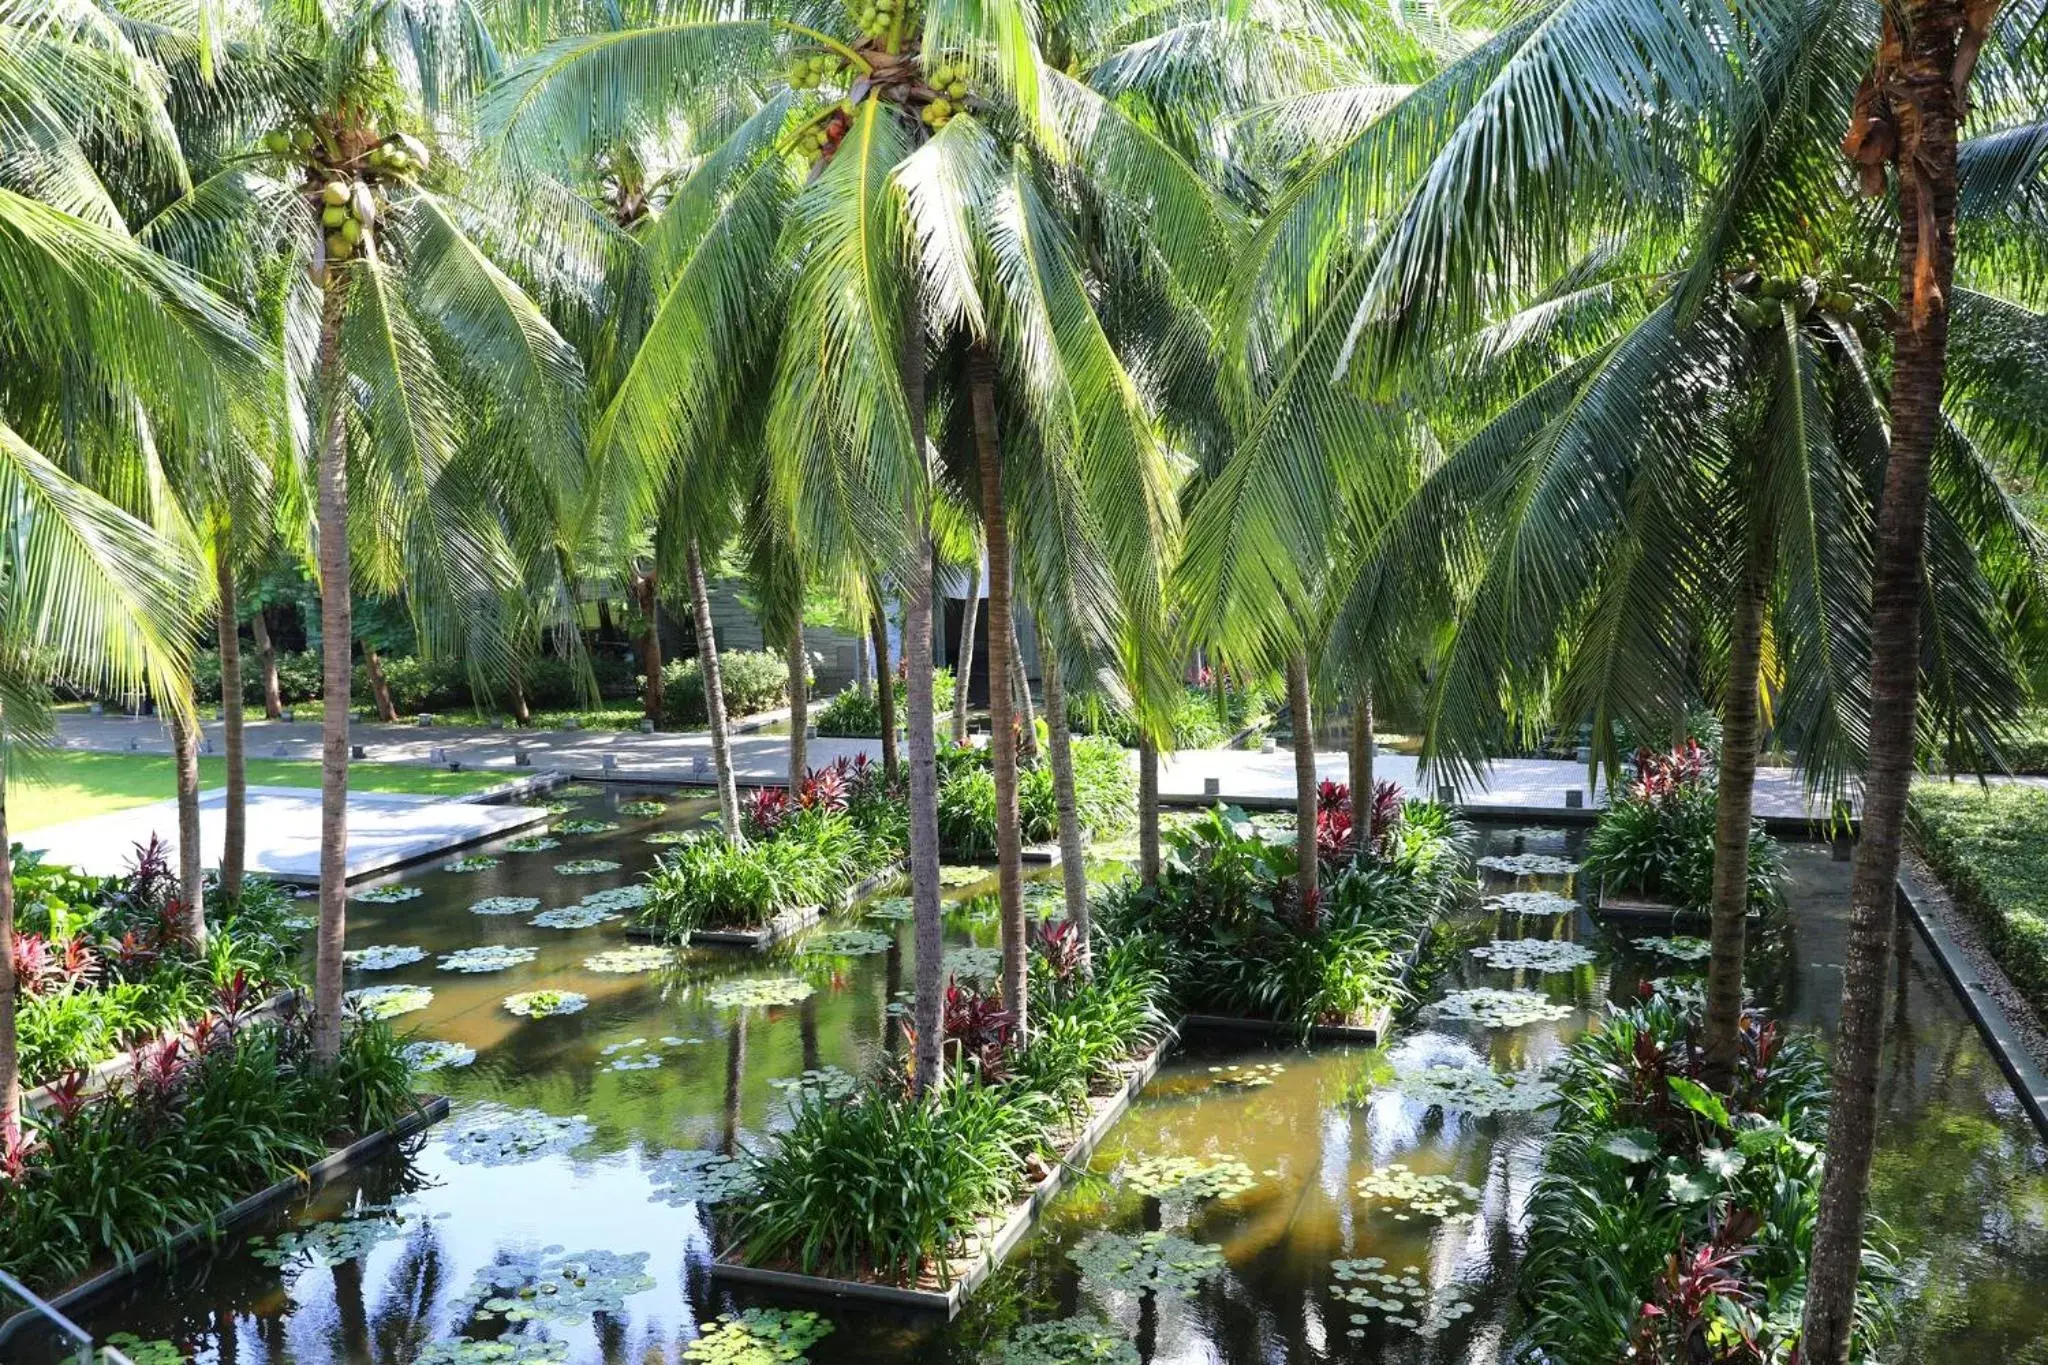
x: 429, y: 394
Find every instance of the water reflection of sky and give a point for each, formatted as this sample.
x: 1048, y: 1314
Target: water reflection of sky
x: 1959, y: 1175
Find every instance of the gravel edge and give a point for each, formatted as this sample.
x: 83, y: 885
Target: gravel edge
x: 1938, y: 903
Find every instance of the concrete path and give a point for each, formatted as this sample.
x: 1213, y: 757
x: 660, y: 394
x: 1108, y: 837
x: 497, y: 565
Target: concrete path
x: 385, y: 829
x: 1532, y: 786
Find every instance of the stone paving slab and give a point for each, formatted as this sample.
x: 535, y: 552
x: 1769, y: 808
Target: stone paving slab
x: 385, y: 830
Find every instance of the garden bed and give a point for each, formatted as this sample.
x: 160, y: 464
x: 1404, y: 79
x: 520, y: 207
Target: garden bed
x: 786, y: 924
x: 999, y: 1236
x: 338, y: 1162
x: 102, y: 1074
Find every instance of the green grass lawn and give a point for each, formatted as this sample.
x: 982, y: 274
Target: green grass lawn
x: 73, y: 784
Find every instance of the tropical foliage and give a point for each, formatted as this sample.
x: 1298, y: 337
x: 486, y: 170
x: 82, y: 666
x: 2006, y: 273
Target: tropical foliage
x: 1657, y: 839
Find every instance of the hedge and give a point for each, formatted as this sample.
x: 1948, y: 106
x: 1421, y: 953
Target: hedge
x: 1990, y: 845
x: 754, y: 680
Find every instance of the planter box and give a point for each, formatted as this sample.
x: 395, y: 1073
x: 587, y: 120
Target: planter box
x: 998, y: 1237
x: 1640, y: 911
x: 314, y: 1177
x: 786, y: 924
x: 1369, y: 1032
x: 103, y: 1074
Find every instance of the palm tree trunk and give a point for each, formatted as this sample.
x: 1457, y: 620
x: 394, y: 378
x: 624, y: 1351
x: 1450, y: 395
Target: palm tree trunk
x: 885, y: 682
x: 337, y: 632
x: 799, y: 702
x: 380, y: 689
x: 191, y: 851
x: 714, y: 697
x: 1304, y: 787
x: 963, y: 666
x: 1059, y: 749
x: 273, y: 695
x: 1027, y: 716
x: 646, y: 588
x: 10, y: 1051
x: 235, y: 813
x: 1362, y: 781
x: 862, y: 661
x: 1148, y: 811
x: 981, y: 370
x: 522, y: 714
x: 927, y: 923
x: 1925, y: 73
x: 1733, y: 802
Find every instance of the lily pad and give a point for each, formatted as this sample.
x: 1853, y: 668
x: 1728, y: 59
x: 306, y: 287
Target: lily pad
x: 740, y: 992
x: 759, y: 1336
x: 584, y: 867
x: 701, y: 1177
x: 616, y: 898
x: 1433, y: 1196
x: 1152, y: 1262
x: 531, y: 843
x: 641, y: 810
x: 431, y: 1054
x: 962, y: 874
x: 156, y: 1351
x: 1066, y: 1341
x: 381, y: 957
x: 505, y: 905
x: 492, y: 1134
x: 1380, y: 1298
x: 979, y: 968
x: 847, y: 943
x: 825, y: 1082
x: 1534, y: 904
x: 1256, y: 1076
x: 1678, y: 947
x: 634, y: 1061
x: 388, y: 1002
x: 1491, y: 1008
x: 1188, y: 1177
x: 505, y: 1350
x: 584, y: 826
x: 1535, y: 954
x: 551, y: 1286
x: 388, y: 895
x: 477, y: 862
x: 339, y: 1240
x: 670, y: 836
x: 576, y: 791
x: 493, y: 957
x: 895, y: 909
x: 1529, y: 865
x: 643, y: 957
x: 571, y: 917
x: 1474, y: 1089
x: 545, y: 1004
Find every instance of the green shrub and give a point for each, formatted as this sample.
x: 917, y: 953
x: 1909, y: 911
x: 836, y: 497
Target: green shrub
x: 1105, y: 798
x: 884, y: 1183
x: 114, y: 1175
x: 857, y: 715
x: 1196, y: 724
x: 1661, y: 845
x: 812, y: 858
x: 753, y: 680
x: 1082, y: 1027
x: 1989, y: 844
x: 298, y: 677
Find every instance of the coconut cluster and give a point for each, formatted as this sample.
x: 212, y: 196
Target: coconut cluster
x: 820, y: 68
x: 1757, y: 298
x: 821, y: 138
x: 874, y: 17
x: 348, y: 210
x: 342, y: 174
x: 950, y: 86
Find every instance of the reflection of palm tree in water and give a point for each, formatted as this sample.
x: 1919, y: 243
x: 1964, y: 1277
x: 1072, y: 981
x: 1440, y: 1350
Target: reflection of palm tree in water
x: 735, y: 1072
x: 892, y: 982
x: 807, y: 1030
x: 1900, y: 1042
x: 1148, y: 1302
x: 227, y: 1347
x: 404, y: 1323
x: 349, y: 1309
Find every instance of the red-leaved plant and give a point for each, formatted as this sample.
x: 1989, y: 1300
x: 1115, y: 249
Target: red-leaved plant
x: 978, y: 1027
x: 1059, y: 942
x: 764, y: 810
x: 1662, y: 775
x: 1673, y: 1323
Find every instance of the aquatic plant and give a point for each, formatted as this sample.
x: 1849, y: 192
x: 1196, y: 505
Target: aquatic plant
x: 514, y: 1349
x: 578, y: 791
x: 847, y: 943
x: 701, y: 1177
x: 505, y: 905
x: 381, y: 957
x: 960, y: 874
x: 572, y: 917
x: 388, y: 895
x: 1490, y: 1008
x: 388, y: 1002
x: 1475, y: 1088
x: 348, y: 1238
x: 1529, y: 865
x: 1534, y: 904
x: 1535, y: 954
x: 476, y: 862
x: 895, y: 909
x: 1066, y: 1341
x: 641, y: 810
x: 494, y: 957
x: 973, y: 966
x: 584, y: 867
x: 634, y: 1061
x: 1658, y: 840
x: 1253, y: 1076
x: 1433, y: 1196
x: 1149, y: 1263
x: 616, y: 898
x: 531, y: 843
x: 431, y: 1054
x: 550, y: 1285
x: 1187, y: 1177
x: 493, y: 1134
x: 1401, y: 1300
x: 822, y: 1083
x: 741, y: 992
x: 156, y: 1351
x: 671, y: 836
x: 759, y: 1336
x: 584, y: 826
x: 643, y: 957
x: 1678, y: 947
x: 545, y: 1003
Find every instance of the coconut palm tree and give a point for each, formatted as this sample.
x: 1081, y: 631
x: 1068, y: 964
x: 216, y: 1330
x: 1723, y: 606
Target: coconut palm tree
x: 425, y: 389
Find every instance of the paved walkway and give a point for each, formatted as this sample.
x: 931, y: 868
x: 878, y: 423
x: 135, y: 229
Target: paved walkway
x: 385, y: 829
x: 1534, y: 786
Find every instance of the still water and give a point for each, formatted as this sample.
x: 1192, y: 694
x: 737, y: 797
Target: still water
x: 659, y: 1063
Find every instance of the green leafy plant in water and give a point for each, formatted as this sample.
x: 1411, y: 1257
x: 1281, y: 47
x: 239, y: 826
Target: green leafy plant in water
x: 578, y: 791
x: 1677, y: 947
x: 388, y: 895
x: 1188, y: 1177
x: 1433, y: 1196
x: 641, y: 810
x: 388, y: 1002
x: 584, y: 826
x: 1474, y: 1089
x: 1532, y: 904
x: 1065, y: 1341
x: 505, y: 905
x: 1151, y: 1262
x: 492, y: 1134
x: 545, y: 1003
x: 572, y: 917
x: 432, y: 1055
x: 477, y: 862
x: 1382, y: 1298
x: 531, y: 843
x: 1528, y: 865
x: 552, y: 1286
x: 741, y: 992
x: 894, y: 909
x: 759, y: 1336
x: 701, y: 1177
x: 154, y: 1352
x: 381, y: 957
x: 1491, y: 1008
x: 1252, y: 1076
x: 1534, y: 954
x: 584, y: 867
x: 973, y: 966
x: 822, y: 1083
x: 671, y: 836
x: 847, y: 943
x: 616, y: 898
x: 959, y: 874
x: 645, y: 957
x: 491, y: 957
x: 339, y: 1240
x: 506, y: 1350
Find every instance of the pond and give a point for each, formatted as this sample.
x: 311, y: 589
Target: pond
x: 1366, y: 1201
